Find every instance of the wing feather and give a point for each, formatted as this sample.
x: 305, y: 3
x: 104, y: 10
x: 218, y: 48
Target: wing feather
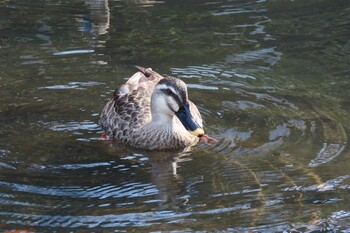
x: 129, y: 108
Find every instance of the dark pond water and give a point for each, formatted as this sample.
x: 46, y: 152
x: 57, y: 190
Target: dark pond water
x: 271, y: 79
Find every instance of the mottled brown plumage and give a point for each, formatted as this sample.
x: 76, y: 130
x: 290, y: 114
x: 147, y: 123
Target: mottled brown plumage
x: 141, y: 112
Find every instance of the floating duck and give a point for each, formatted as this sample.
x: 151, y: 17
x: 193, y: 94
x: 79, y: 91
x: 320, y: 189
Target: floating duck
x: 153, y: 112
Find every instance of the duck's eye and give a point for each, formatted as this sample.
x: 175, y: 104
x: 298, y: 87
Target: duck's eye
x: 168, y: 91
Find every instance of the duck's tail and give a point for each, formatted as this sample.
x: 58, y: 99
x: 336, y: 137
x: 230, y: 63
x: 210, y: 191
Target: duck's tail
x: 146, y: 71
x: 149, y: 73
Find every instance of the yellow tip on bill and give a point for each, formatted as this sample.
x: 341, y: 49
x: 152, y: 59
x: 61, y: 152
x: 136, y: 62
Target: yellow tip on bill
x: 198, y: 132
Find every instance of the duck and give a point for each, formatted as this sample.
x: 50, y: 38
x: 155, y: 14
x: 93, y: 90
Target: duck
x: 152, y: 112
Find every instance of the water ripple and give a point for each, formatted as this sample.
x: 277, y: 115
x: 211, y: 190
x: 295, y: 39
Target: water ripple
x: 326, y: 186
x: 267, y: 56
x: 137, y: 219
x: 128, y: 190
x: 237, y: 8
x: 70, y: 52
x: 328, y: 152
x: 72, y: 85
x: 73, y: 126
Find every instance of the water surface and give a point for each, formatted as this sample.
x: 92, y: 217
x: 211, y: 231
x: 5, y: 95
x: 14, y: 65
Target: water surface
x: 271, y: 79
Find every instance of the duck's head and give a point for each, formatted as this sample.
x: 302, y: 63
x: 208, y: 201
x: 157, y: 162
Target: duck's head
x: 170, y: 98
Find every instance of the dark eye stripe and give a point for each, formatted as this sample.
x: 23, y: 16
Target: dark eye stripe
x: 169, y: 92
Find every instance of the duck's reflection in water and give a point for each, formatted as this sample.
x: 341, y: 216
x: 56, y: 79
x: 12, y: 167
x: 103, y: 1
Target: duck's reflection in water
x: 98, y: 20
x: 172, y: 189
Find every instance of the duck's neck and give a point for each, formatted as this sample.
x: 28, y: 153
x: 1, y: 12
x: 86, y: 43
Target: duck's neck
x: 167, y: 132
x: 165, y: 125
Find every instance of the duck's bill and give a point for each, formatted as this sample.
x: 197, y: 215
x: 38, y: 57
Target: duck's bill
x: 190, y: 124
x: 198, y: 132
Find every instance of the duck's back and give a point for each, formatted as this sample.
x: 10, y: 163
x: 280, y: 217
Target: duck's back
x: 129, y: 108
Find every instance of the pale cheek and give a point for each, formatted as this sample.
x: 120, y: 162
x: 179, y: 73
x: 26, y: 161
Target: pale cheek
x: 174, y: 106
x: 161, y: 106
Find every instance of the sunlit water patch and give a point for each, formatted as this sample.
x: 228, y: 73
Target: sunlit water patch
x: 74, y: 126
x: 72, y: 52
x: 72, y: 85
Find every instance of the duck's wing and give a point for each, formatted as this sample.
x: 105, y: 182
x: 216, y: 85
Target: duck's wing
x: 129, y: 108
